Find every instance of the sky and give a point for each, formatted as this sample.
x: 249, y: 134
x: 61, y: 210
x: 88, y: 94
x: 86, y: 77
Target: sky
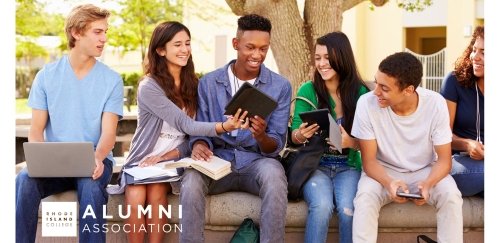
x: 7, y: 124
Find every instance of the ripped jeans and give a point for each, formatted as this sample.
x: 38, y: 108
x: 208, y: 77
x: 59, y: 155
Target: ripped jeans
x: 332, y: 187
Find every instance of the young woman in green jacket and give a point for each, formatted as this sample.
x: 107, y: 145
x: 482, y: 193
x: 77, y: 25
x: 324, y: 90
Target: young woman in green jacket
x: 332, y: 187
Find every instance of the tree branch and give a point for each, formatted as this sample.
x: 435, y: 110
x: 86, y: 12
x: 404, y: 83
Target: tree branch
x: 351, y: 3
x: 242, y: 7
x: 237, y: 6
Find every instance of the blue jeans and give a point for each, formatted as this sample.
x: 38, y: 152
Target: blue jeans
x: 263, y: 177
x: 468, y: 174
x: 332, y: 186
x: 30, y: 191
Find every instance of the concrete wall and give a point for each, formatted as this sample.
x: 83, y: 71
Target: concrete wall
x: 374, y: 34
x: 461, y: 23
x: 378, y: 33
x: 211, y: 39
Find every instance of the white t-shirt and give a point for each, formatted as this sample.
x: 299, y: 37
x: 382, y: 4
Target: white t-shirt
x: 169, y: 139
x: 404, y: 143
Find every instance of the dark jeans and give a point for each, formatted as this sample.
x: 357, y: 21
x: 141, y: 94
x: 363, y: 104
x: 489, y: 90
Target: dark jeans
x: 264, y: 177
x: 30, y: 191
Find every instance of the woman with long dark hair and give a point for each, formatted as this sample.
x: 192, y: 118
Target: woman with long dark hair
x: 463, y: 90
x: 167, y: 101
x: 336, y: 86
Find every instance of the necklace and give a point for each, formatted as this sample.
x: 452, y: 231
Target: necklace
x: 478, y: 117
x: 236, y: 81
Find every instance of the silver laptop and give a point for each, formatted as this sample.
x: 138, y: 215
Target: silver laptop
x: 59, y: 159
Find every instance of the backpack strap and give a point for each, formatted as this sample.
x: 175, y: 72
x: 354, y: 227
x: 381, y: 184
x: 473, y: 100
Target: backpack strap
x: 425, y: 239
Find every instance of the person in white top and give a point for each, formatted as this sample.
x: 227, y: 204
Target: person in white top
x: 167, y: 102
x: 405, y: 142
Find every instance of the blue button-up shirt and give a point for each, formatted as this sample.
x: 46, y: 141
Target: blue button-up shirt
x: 214, y: 92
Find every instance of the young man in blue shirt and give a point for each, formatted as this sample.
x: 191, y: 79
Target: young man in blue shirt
x: 252, y: 152
x: 75, y: 98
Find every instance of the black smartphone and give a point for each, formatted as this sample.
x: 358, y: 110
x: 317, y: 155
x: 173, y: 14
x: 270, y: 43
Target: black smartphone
x: 409, y: 195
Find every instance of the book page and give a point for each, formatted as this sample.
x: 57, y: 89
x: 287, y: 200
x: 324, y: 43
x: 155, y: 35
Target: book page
x: 214, y: 165
x: 186, y: 162
x: 335, y: 135
x: 157, y: 170
x: 215, y: 168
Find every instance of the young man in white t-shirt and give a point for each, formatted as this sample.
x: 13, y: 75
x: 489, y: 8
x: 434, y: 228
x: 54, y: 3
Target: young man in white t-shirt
x: 405, y: 141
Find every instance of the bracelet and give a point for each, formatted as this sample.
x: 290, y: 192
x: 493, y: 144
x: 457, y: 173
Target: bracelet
x: 356, y: 147
x: 178, y: 153
x: 298, y: 140
x: 222, y: 125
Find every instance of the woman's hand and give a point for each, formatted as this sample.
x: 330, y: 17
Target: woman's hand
x: 238, y: 120
x: 304, y: 132
x: 347, y: 140
x: 149, y: 161
x: 475, y: 149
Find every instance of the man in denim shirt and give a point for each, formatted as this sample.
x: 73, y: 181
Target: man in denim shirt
x: 252, y: 152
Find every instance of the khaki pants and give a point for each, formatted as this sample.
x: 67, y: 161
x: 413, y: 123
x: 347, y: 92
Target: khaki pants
x: 372, y: 196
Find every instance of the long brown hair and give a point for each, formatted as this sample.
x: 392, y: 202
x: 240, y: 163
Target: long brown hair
x: 341, y: 59
x: 463, y: 66
x: 156, y: 67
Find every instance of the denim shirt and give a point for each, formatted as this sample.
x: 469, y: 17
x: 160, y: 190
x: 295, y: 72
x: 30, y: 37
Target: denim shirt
x: 214, y: 92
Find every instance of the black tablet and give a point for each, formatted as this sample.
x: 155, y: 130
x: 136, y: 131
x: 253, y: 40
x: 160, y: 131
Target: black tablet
x: 250, y: 98
x: 317, y: 116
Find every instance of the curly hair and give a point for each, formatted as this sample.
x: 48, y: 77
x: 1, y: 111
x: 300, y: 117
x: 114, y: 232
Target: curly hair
x: 254, y: 22
x: 403, y: 66
x: 463, y: 66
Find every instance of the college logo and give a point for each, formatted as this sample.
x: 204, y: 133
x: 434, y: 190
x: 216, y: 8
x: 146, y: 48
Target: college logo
x: 59, y: 219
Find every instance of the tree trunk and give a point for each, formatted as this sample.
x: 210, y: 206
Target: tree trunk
x: 293, y: 38
x: 322, y: 17
x: 288, y: 38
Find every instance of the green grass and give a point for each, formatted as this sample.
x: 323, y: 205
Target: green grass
x: 23, y: 108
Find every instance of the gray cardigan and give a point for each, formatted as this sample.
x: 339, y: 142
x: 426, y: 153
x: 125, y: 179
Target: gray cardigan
x: 153, y: 108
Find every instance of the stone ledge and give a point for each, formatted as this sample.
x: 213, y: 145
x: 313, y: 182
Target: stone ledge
x: 230, y: 208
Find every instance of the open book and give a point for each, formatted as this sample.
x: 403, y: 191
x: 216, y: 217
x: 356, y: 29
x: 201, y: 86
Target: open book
x: 215, y: 168
x: 153, y: 174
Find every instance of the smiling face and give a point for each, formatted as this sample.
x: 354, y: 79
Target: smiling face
x: 322, y: 63
x: 388, y: 92
x: 177, y: 50
x: 91, y: 41
x: 252, y: 47
x: 477, y: 57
